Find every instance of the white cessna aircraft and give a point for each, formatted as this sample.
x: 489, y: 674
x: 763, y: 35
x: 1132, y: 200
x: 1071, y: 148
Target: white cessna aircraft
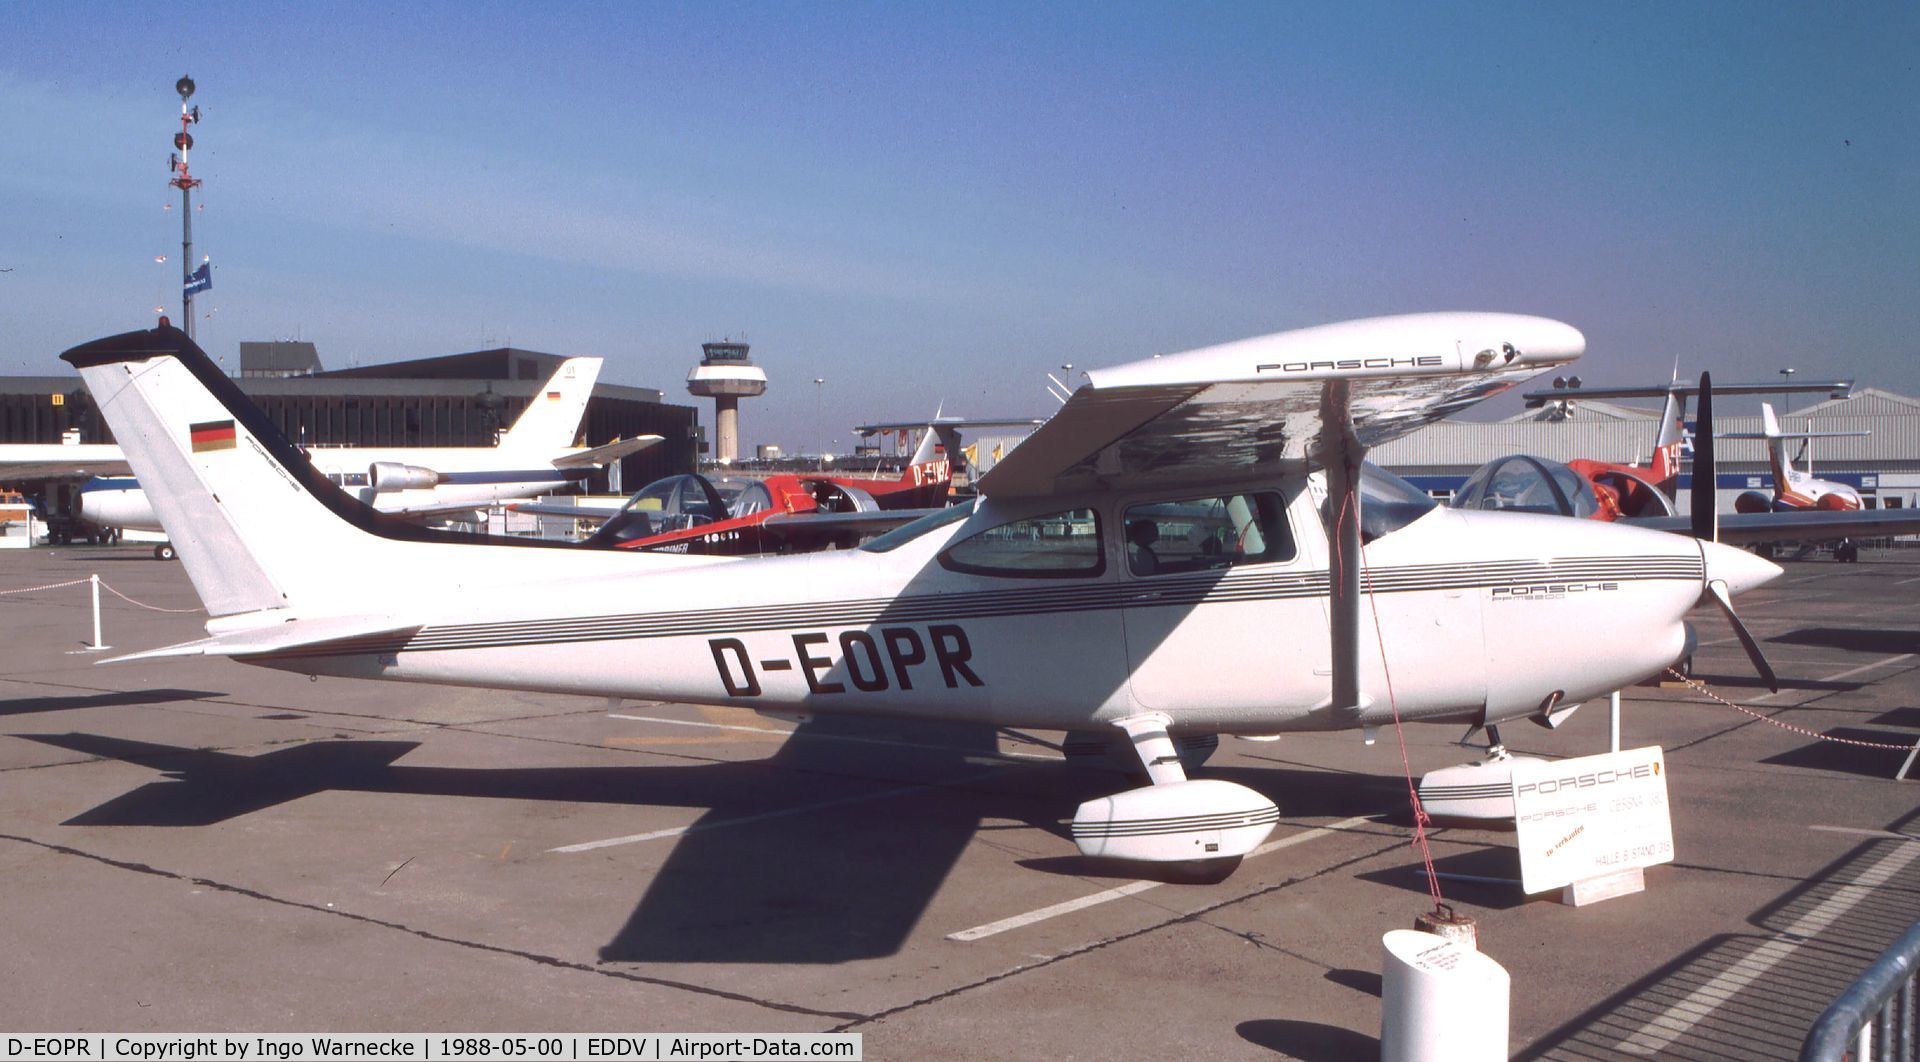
x: 536, y: 455
x: 1197, y: 533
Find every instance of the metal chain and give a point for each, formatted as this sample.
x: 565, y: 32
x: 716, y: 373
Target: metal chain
x: 142, y: 604
x: 1701, y: 688
x: 103, y: 586
x: 49, y: 586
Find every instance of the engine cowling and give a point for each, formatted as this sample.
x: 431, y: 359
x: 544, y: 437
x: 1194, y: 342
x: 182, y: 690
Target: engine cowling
x: 1753, y: 502
x: 388, y: 476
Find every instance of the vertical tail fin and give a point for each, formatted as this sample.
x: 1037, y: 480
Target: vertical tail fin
x: 551, y: 421
x: 255, y: 525
x: 1784, y: 473
x: 1666, y: 445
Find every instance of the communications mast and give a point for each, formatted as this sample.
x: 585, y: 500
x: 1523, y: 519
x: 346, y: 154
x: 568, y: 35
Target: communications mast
x: 191, y: 280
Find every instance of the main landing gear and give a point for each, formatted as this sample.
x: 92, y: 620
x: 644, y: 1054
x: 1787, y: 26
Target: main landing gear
x: 1196, y: 830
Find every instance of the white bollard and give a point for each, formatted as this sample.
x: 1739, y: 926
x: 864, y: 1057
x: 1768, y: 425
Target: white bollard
x: 1440, y: 1001
x: 97, y: 643
x: 1613, y: 708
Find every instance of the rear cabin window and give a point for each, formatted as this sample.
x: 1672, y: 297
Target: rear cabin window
x: 1203, y: 534
x: 1057, y: 545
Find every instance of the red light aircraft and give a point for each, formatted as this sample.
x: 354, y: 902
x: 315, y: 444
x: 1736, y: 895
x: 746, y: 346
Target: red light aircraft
x: 780, y: 513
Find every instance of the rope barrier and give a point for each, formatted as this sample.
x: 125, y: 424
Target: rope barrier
x: 103, y: 585
x: 49, y: 586
x: 1701, y: 688
x: 142, y: 604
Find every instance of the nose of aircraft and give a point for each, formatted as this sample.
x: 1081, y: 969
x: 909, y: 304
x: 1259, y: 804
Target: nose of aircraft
x: 1738, y: 568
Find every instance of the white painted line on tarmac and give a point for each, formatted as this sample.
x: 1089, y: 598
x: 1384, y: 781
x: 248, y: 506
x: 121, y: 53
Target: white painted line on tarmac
x: 1857, y: 831
x: 1135, y: 887
x: 1903, y: 582
x: 1838, y: 675
x: 1660, y: 1033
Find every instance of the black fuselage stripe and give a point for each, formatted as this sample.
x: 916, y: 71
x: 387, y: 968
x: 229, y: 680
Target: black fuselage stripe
x: 1176, y: 592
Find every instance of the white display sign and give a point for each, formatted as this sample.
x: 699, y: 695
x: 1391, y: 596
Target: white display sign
x: 1590, y: 817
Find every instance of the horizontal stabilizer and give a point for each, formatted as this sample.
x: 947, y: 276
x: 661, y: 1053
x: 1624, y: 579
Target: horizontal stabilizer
x: 277, y: 637
x: 607, y: 454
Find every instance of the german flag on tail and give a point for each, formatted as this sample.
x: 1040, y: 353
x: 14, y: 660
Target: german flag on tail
x: 213, y: 435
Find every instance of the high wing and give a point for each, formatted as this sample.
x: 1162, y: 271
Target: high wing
x: 1802, y: 525
x: 605, y: 454
x: 24, y: 461
x: 1832, y: 388
x: 1288, y: 399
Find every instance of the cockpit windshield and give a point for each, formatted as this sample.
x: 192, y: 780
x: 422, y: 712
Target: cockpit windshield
x: 675, y: 503
x: 1389, y: 503
x: 744, y: 497
x: 1528, y: 485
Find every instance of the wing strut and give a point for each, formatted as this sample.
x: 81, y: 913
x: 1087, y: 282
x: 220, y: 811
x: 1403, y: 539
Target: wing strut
x: 1343, y: 453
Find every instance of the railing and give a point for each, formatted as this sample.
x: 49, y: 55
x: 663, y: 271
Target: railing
x: 1876, y: 1016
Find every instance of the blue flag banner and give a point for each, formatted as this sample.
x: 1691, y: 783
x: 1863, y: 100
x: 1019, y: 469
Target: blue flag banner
x: 200, y: 281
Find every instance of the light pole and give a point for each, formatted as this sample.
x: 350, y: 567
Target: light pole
x: 1786, y: 397
x: 817, y: 382
x: 185, y: 181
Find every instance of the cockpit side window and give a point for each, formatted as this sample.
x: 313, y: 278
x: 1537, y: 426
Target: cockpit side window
x: 1054, y: 546
x: 1201, y: 534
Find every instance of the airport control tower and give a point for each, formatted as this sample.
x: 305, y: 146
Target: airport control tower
x: 726, y: 375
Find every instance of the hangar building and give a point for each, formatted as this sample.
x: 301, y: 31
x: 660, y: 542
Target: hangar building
x: 1884, y: 465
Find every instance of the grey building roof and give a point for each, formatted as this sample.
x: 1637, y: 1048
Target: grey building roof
x: 283, y: 357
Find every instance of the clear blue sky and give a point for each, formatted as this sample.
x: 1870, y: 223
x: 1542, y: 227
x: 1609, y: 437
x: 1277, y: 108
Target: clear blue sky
x: 927, y: 203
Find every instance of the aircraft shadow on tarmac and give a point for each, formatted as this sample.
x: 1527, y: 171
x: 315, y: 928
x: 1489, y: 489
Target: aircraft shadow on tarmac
x: 1496, y: 861
x: 1771, y: 1016
x: 109, y: 699
x: 1881, y: 640
x: 1851, y: 759
x: 1736, y: 680
x: 828, y: 851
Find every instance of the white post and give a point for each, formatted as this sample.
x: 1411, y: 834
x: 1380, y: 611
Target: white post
x: 94, y: 580
x: 1613, y: 706
x: 1441, y: 1001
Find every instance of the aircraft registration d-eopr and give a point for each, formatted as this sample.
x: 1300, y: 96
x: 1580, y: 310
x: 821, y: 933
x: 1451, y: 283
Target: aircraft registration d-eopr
x: 1184, y: 550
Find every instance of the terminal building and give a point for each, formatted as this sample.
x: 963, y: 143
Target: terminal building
x: 453, y: 400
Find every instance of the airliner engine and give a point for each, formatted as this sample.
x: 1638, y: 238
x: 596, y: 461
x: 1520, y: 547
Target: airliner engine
x: 392, y: 475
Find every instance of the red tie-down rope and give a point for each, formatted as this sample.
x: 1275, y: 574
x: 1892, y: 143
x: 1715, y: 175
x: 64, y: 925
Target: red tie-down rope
x: 1420, y: 818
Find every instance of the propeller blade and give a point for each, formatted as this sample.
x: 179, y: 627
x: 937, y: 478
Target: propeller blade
x: 1706, y: 516
x: 1717, y: 590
